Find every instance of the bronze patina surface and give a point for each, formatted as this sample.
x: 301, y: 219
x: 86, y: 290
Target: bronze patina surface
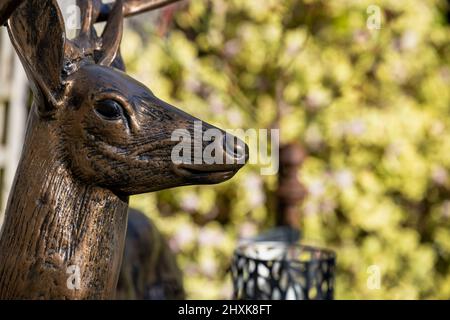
x: 95, y: 136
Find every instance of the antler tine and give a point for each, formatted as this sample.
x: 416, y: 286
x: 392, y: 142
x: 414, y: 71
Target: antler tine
x: 87, y: 12
x: 133, y: 7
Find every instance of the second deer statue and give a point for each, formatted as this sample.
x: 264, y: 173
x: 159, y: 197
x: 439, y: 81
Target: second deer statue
x: 95, y: 136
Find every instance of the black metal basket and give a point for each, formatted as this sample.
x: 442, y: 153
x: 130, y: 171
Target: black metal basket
x: 281, y: 271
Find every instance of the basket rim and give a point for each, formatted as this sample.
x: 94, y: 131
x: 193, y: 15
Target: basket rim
x: 325, y: 253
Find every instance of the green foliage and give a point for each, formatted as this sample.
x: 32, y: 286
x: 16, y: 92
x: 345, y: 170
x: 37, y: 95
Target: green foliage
x: 370, y: 106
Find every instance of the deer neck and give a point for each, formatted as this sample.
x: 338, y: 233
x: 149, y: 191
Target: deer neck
x: 61, y: 238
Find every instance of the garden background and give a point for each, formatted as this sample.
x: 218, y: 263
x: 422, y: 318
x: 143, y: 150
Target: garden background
x: 370, y: 107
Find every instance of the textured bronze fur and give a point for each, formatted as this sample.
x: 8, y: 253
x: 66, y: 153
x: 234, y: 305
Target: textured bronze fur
x: 68, y: 204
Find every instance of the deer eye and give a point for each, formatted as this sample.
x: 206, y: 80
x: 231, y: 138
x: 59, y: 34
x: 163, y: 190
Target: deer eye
x: 109, y: 109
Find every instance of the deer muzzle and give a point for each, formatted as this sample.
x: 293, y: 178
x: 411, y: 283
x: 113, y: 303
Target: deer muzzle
x: 230, y: 155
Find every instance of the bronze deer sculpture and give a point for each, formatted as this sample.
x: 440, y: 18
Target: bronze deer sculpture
x: 94, y: 137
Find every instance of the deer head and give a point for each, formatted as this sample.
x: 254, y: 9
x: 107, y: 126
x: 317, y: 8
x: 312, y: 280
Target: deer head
x: 112, y: 130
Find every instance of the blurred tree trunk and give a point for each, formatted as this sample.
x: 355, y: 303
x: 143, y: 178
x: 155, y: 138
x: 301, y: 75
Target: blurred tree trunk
x: 290, y: 191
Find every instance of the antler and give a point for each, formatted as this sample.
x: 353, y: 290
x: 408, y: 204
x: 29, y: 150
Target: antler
x: 133, y: 7
x: 130, y: 7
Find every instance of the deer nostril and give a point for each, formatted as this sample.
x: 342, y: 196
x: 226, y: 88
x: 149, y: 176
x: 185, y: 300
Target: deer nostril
x: 240, y: 150
x: 237, y: 149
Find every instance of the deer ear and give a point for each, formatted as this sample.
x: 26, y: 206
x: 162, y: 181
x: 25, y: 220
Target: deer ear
x: 36, y: 29
x: 112, y: 35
